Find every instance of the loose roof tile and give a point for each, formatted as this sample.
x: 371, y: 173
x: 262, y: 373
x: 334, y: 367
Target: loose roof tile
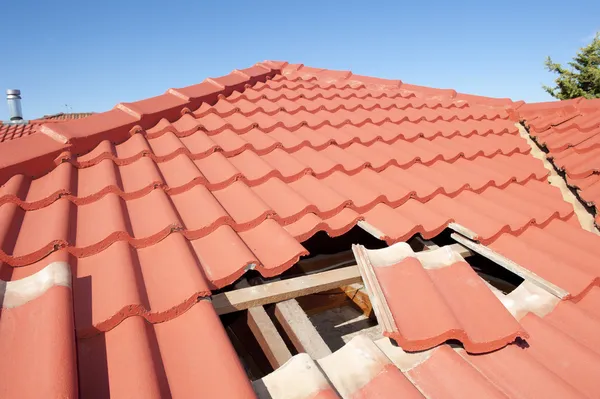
x: 447, y: 300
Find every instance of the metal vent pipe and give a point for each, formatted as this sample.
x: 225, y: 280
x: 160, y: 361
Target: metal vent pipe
x: 13, y: 96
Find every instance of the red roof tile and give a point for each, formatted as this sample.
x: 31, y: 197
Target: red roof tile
x: 448, y: 300
x: 270, y: 155
x: 569, y: 130
x: 14, y: 131
x: 189, y: 355
x: 36, y: 335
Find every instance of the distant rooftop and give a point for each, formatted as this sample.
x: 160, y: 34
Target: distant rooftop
x: 9, y: 131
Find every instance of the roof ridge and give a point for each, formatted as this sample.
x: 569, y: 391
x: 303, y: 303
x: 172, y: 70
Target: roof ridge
x: 82, y: 135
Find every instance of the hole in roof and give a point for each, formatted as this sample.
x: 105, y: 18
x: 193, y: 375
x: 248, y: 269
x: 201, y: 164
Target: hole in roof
x: 338, y: 319
x: 326, y: 253
x: 321, y: 243
x: 250, y: 354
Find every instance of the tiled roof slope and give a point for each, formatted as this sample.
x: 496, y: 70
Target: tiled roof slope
x: 192, y: 188
x: 570, y: 131
x: 10, y: 131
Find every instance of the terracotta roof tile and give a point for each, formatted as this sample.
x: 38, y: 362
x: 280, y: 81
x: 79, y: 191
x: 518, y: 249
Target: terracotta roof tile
x: 545, y: 251
x: 448, y: 300
x: 37, y: 323
x: 271, y: 155
x: 568, y: 130
x: 189, y: 355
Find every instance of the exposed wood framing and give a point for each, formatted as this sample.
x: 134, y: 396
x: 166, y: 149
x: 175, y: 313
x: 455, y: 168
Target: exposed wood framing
x: 300, y: 330
x: 320, y: 302
x: 510, y: 265
x: 426, y: 244
x: 358, y: 295
x: 320, y: 262
x: 382, y: 311
x: 268, y: 337
x: 277, y: 291
x: 347, y: 295
x: 586, y: 220
x: 282, y: 290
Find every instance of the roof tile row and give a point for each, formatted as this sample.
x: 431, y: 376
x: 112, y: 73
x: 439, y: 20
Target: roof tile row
x: 570, y: 131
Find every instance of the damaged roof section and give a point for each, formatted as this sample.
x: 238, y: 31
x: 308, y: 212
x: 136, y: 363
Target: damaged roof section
x: 557, y: 357
x: 272, y: 155
x: 448, y: 300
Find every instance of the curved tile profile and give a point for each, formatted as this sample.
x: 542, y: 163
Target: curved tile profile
x: 89, y: 184
x: 189, y: 356
x: 542, y: 251
x: 561, y: 356
x: 569, y: 133
x: 514, y: 371
x: 90, y: 228
x: 36, y: 335
x: 121, y: 282
x: 448, y: 300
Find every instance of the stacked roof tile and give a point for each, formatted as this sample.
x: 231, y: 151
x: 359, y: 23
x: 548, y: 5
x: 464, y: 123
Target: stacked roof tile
x: 570, y: 132
x: 156, y: 203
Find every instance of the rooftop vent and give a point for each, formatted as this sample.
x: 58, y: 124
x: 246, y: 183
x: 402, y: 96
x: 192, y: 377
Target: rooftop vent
x: 13, y: 96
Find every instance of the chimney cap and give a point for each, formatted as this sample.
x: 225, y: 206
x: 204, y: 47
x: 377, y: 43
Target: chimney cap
x: 15, y: 92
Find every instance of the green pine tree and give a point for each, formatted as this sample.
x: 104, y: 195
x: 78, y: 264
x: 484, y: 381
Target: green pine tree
x: 582, y: 79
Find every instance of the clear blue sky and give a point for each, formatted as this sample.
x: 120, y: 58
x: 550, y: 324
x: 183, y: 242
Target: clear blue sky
x: 93, y: 56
